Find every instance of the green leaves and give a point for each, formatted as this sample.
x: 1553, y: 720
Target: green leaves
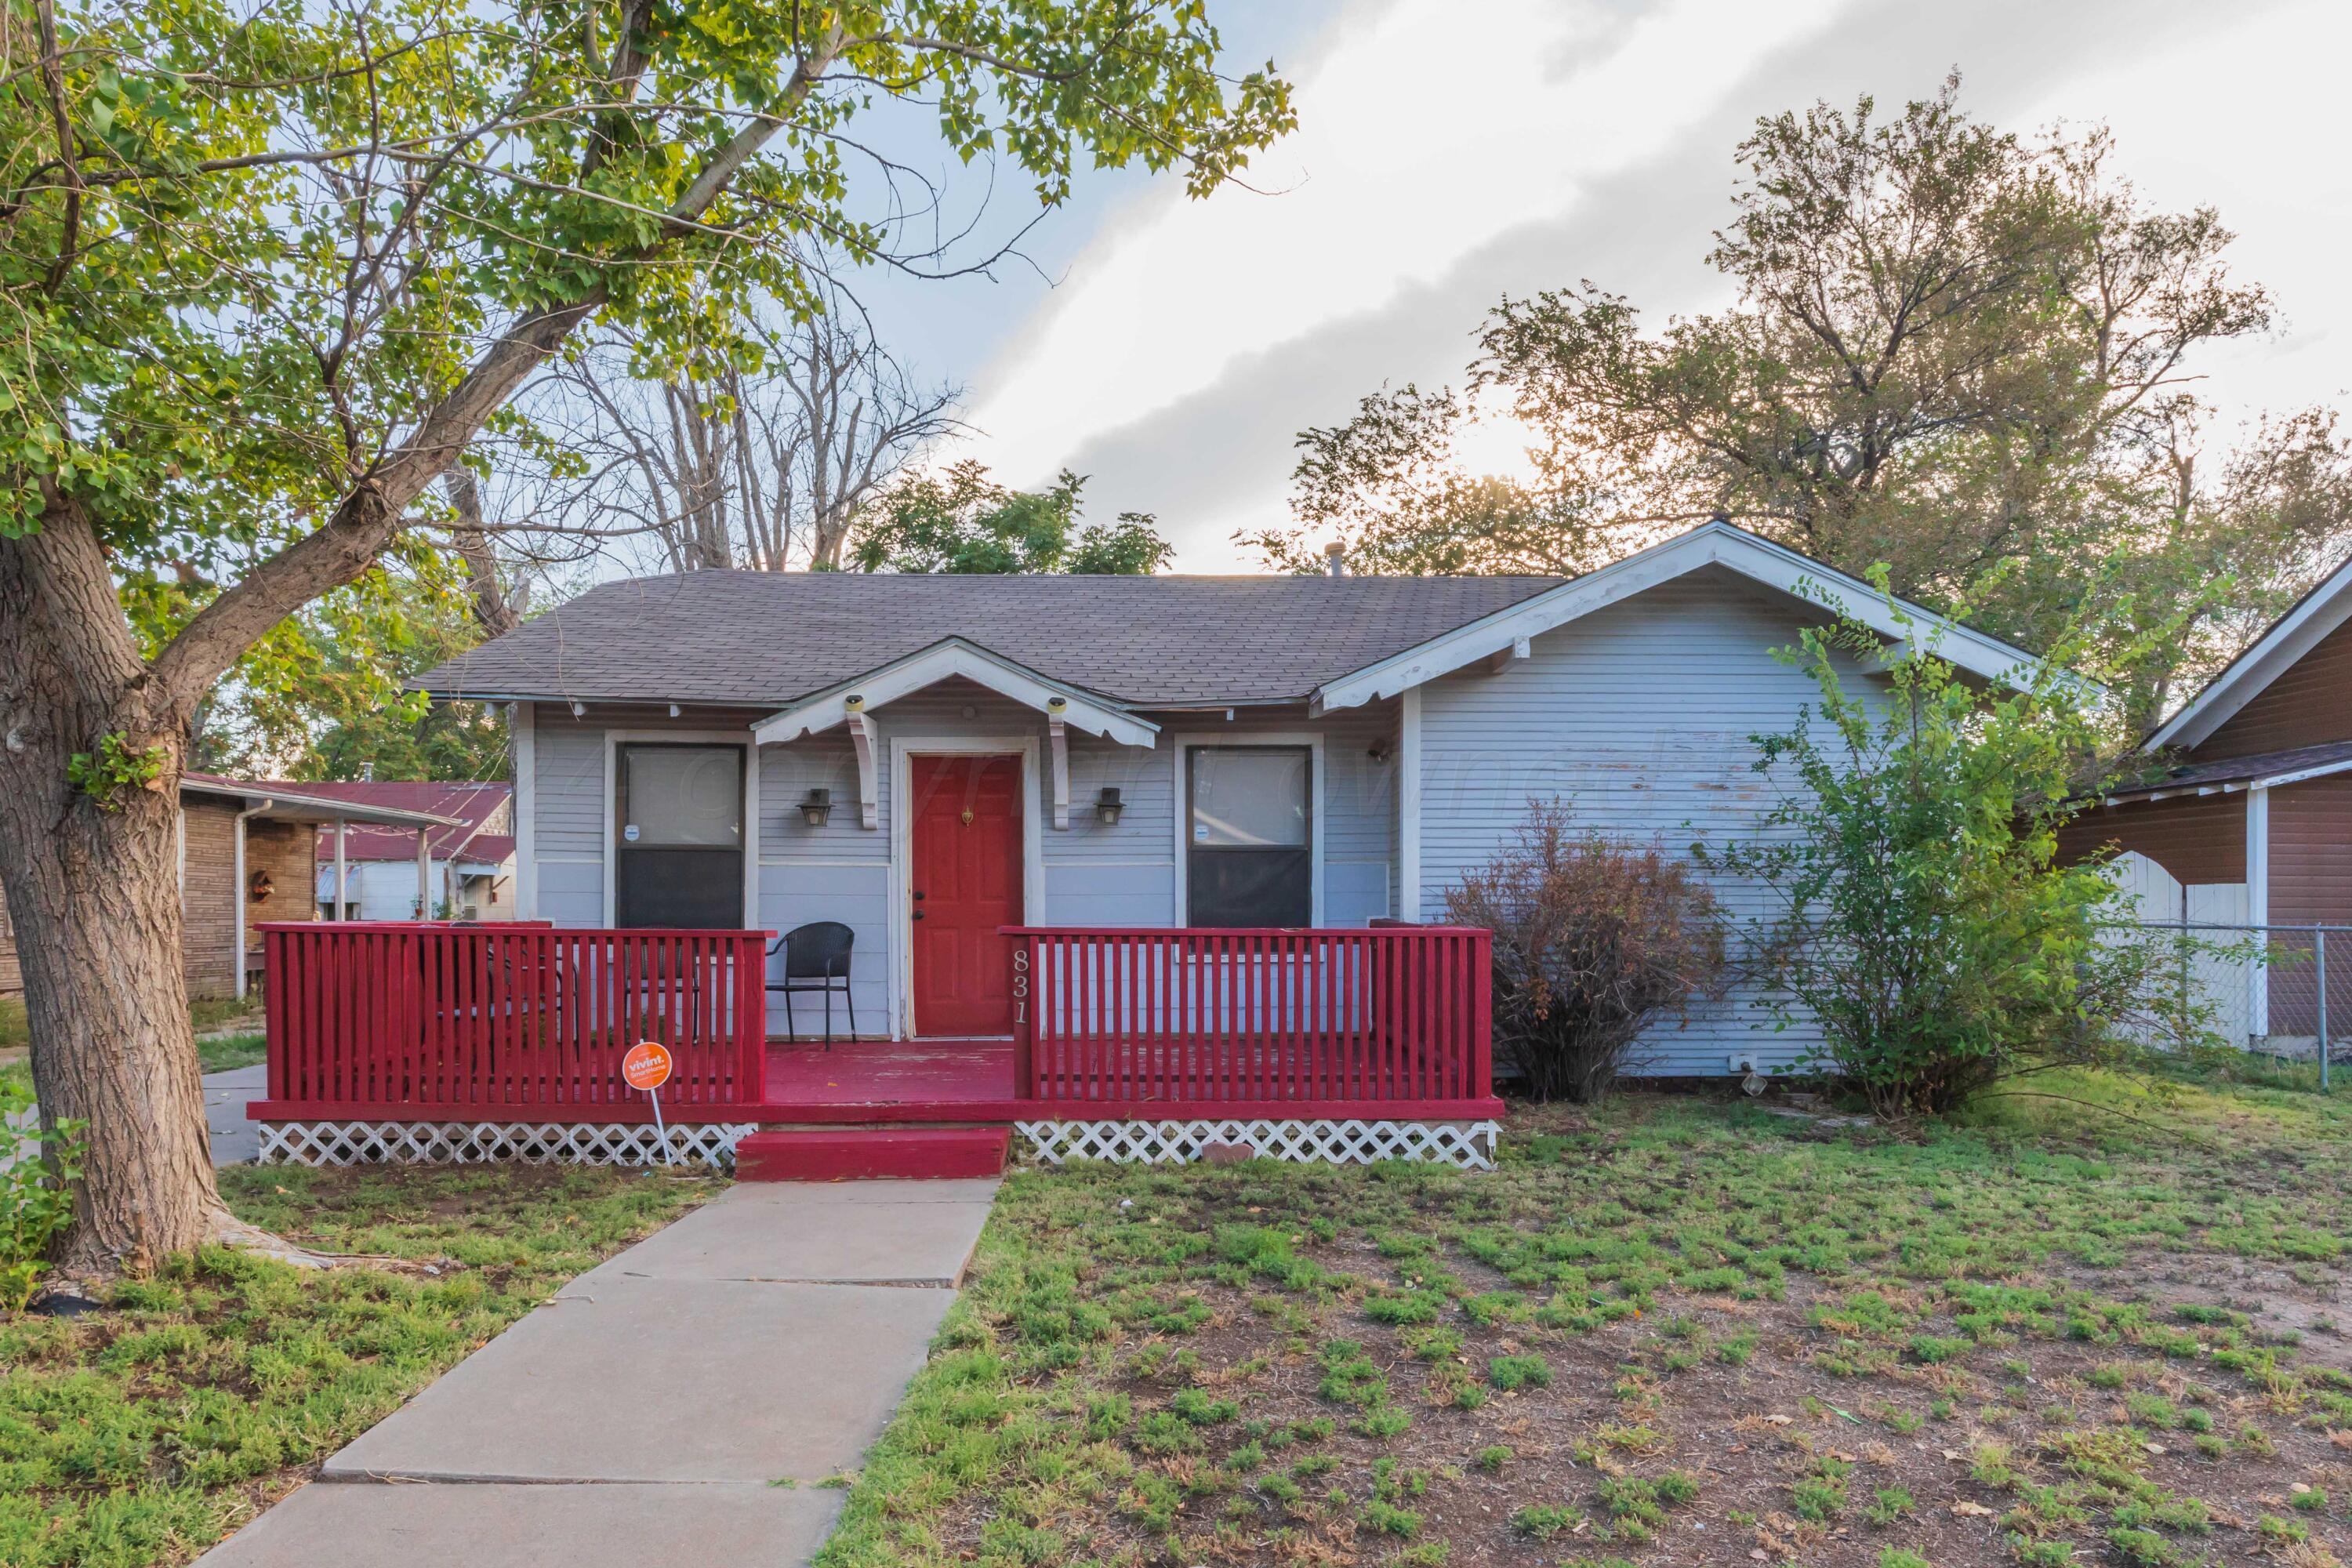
x: 117, y: 768
x: 37, y: 1176
x: 290, y: 235
x: 963, y: 521
x: 1924, y: 922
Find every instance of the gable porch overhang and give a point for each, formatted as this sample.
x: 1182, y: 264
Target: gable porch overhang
x: 851, y: 703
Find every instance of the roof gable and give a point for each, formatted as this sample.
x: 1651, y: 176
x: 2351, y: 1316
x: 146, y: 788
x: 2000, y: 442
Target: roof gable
x: 2292, y: 636
x: 1709, y: 544
x: 944, y: 659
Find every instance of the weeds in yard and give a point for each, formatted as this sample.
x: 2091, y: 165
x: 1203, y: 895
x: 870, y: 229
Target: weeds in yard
x: 1399, y: 1344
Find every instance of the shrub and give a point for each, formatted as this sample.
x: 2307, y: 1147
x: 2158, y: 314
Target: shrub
x: 37, y: 1176
x: 1922, y: 918
x: 1594, y: 937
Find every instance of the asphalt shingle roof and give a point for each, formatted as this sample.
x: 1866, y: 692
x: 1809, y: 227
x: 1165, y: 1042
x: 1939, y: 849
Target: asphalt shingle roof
x: 765, y: 639
x: 2232, y: 769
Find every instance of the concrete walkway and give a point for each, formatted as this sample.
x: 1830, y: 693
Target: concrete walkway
x: 677, y: 1403
x: 236, y: 1140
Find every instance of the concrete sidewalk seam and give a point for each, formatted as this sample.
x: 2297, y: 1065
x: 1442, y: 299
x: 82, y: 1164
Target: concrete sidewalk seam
x: 917, y: 1282
x: 433, y: 1479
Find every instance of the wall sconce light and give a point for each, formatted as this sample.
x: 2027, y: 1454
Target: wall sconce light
x: 1378, y: 752
x: 1108, y: 808
x: 816, y: 806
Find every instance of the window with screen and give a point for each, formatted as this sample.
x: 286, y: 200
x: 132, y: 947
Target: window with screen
x: 1249, y: 852
x: 679, y: 821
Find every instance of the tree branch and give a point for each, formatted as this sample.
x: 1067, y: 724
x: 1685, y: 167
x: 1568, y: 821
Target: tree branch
x: 374, y: 510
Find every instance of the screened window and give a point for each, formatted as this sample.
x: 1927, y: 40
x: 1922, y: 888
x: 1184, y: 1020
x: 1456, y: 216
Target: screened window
x: 1250, y: 852
x: 679, y: 820
x: 677, y: 795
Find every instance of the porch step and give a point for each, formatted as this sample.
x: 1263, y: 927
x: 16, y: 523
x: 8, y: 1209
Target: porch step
x: 863, y: 1153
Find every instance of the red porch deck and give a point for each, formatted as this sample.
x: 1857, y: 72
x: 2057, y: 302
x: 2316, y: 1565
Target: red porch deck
x: 416, y: 1023
x: 974, y: 1080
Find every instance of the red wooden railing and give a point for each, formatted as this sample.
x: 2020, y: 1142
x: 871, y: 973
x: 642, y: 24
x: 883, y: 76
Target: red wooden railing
x: 415, y: 1020
x: 1384, y: 1017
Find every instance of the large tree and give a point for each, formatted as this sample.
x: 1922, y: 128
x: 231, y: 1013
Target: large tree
x: 267, y: 269
x: 1968, y: 354
x: 321, y: 696
x: 762, y: 467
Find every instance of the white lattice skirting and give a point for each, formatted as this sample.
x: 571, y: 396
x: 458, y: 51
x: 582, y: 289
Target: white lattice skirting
x: 465, y: 1143
x: 1468, y: 1144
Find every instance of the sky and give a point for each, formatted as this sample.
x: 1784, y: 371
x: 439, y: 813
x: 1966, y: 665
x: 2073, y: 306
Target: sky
x: 1451, y: 151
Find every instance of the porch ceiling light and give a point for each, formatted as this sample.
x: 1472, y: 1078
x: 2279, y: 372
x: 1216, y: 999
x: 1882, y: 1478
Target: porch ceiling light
x: 816, y: 806
x: 1108, y: 806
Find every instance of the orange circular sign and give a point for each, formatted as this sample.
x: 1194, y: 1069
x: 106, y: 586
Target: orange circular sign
x: 647, y: 1065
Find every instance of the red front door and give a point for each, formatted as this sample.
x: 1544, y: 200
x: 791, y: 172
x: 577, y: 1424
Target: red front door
x: 965, y: 878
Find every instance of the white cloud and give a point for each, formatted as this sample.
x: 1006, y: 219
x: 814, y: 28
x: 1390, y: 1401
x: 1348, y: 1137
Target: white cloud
x: 1424, y: 133
x: 1452, y: 150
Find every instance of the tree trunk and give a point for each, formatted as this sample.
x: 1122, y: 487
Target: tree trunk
x: 94, y: 895
x: 494, y: 612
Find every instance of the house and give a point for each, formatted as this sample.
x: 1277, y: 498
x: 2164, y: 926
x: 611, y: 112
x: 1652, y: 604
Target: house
x: 1129, y: 867
x: 927, y: 759
x: 246, y: 852
x: 2243, y: 813
x: 471, y: 869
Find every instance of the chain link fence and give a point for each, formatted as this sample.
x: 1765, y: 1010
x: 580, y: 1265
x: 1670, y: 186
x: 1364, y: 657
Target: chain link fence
x: 2281, y: 991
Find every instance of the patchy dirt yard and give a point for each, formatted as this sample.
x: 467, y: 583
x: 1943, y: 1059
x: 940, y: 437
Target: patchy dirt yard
x: 1674, y: 1330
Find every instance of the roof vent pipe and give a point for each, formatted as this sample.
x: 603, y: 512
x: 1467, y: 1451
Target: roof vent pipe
x: 1335, y: 560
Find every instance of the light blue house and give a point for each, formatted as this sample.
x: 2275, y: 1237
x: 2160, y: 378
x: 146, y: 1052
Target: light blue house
x: 926, y: 760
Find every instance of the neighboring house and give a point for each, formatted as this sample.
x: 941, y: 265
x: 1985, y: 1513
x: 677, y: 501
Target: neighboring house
x: 927, y: 758
x: 2243, y: 813
x: 470, y: 875
x: 246, y: 849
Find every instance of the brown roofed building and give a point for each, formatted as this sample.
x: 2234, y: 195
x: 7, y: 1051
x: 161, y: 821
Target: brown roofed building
x: 248, y: 853
x: 2245, y: 816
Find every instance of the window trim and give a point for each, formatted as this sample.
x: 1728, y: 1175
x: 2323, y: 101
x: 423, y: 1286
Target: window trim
x: 1182, y: 813
x: 616, y: 739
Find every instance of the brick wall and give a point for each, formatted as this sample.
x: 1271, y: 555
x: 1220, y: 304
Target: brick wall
x: 208, y: 900
x: 287, y: 853
x: 12, y: 977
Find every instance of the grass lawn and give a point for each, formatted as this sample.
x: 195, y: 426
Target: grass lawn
x: 204, y: 1015
x: 1674, y: 1330
x: 144, y: 1432
x: 219, y: 1054
x: 226, y: 1051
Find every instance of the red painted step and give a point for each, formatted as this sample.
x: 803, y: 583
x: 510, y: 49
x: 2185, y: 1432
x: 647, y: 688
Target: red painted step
x: 863, y: 1153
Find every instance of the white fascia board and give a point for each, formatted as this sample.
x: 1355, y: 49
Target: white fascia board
x: 941, y: 661
x: 1711, y: 543
x: 2322, y: 610
x: 293, y: 806
x: 2304, y: 775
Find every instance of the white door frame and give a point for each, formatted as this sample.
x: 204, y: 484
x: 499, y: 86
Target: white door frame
x: 1242, y: 741
x: 903, y: 750
x: 613, y: 741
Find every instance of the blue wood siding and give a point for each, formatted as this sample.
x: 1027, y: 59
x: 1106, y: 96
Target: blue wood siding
x: 1638, y: 717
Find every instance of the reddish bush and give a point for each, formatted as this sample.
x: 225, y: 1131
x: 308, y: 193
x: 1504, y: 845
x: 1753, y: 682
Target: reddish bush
x: 1594, y: 937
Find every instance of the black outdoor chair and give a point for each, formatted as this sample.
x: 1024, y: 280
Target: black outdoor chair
x: 816, y: 958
